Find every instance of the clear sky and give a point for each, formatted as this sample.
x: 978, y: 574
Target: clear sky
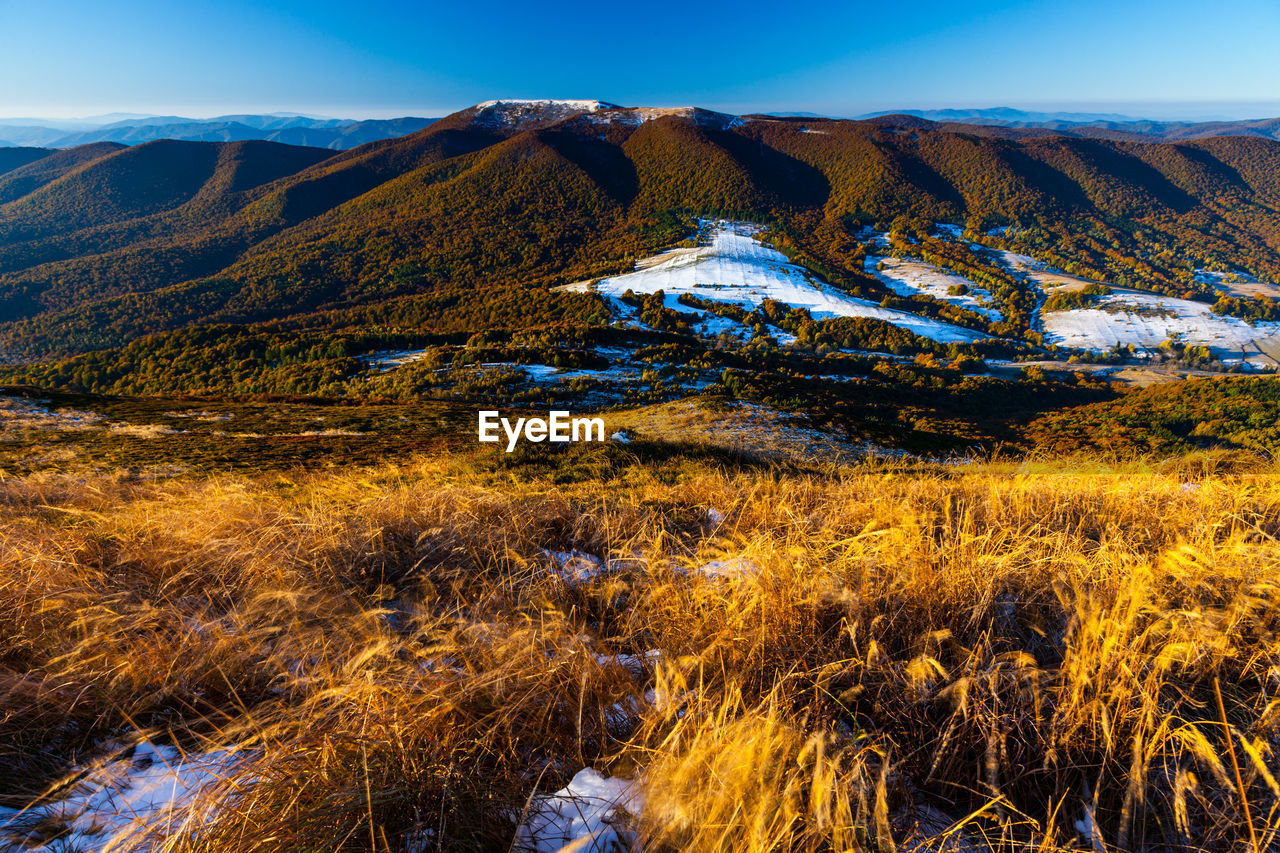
x: 1170, y: 59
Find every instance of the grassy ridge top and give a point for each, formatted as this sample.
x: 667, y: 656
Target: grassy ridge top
x: 881, y: 657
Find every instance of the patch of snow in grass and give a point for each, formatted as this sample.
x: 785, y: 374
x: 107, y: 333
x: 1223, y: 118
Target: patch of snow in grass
x: 1088, y: 827
x: 1020, y: 263
x: 19, y: 412
x: 783, y: 338
x: 143, y: 430
x: 576, y: 566
x: 544, y: 372
x: 1216, y: 276
x: 204, y: 417
x: 1240, y: 284
x: 907, y: 277
x: 153, y: 789
x: 589, y: 815
x: 737, y: 268
x: 391, y: 359
x: 620, y: 437
x: 713, y: 324
x: 735, y: 568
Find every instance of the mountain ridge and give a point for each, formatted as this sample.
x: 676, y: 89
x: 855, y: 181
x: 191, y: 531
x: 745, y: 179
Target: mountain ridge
x: 337, y: 134
x: 508, y: 198
x: 345, y: 134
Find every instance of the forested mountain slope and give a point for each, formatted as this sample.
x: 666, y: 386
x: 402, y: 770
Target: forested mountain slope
x: 98, y: 250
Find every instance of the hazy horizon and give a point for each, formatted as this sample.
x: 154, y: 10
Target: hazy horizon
x: 1193, y: 111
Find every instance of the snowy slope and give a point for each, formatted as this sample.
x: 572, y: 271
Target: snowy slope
x: 1124, y: 317
x: 907, y: 277
x: 518, y: 113
x: 1146, y: 320
x: 545, y: 103
x: 738, y: 268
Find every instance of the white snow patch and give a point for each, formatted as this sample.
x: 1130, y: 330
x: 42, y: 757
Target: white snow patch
x: 1146, y: 320
x: 1217, y: 277
x: 586, y: 816
x: 391, y: 359
x: 1020, y: 263
x: 737, y: 268
x: 19, y: 412
x: 734, y: 568
x: 1238, y: 283
x: 1088, y: 827
x: 153, y: 790
x: 550, y: 373
x: 907, y: 277
x: 586, y: 106
x: 620, y: 437
x: 576, y: 566
x: 713, y: 325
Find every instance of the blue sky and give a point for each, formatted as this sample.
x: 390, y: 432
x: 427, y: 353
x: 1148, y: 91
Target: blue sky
x: 1170, y: 59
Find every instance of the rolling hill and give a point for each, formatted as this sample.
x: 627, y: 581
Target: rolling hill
x: 496, y: 203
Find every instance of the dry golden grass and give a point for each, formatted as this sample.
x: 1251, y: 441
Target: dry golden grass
x: 900, y: 658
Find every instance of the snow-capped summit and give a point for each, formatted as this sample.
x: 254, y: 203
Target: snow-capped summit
x: 547, y: 103
x: 519, y: 113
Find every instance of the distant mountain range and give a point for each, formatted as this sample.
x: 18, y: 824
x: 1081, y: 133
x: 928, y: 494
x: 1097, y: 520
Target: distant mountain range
x: 310, y: 131
x: 1095, y: 125
x: 1003, y: 114
x: 344, y: 134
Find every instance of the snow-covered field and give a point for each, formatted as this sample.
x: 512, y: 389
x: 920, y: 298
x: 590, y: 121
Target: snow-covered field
x: 738, y: 268
x: 1146, y: 320
x: 908, y: 277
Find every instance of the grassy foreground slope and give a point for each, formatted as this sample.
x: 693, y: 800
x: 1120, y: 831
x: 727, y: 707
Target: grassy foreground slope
x: 992, y: 655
